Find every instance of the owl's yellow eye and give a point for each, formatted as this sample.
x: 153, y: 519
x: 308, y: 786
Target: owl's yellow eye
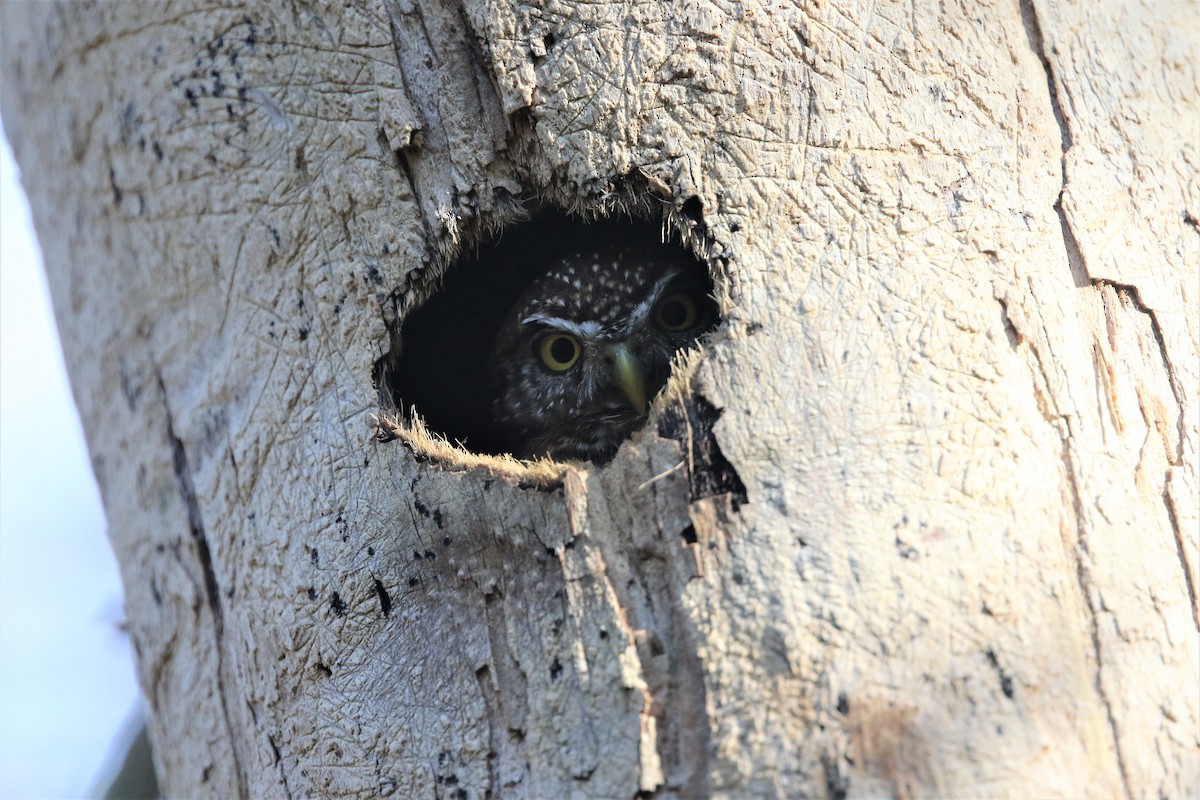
x: 560, y: 351
x: 675, y: 312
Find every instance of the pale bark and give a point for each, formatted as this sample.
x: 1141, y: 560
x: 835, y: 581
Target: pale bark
x: 957, y: 252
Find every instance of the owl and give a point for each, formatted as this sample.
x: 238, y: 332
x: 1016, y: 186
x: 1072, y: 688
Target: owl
x: 589, y: 343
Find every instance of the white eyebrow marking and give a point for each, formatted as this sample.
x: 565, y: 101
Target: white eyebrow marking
x: 642, y: 309
x: 583, y: 330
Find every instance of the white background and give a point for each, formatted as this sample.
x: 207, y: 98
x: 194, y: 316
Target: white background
x: 67, y: 690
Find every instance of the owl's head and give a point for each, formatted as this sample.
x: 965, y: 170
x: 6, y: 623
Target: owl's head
x: 588, y: 345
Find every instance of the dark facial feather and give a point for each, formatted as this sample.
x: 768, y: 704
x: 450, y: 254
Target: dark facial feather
x: 604, y: 298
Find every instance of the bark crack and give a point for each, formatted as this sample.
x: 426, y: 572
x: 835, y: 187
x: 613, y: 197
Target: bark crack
x: 1033, y: 30
x: 1135, y: 297
x: 490, y: 700
x: 212, y: 589
x: 1084, y: 579
x: 1181, y: 552
x: 1176, y: 459
x: 287, y: 790
x: 1074, y: 253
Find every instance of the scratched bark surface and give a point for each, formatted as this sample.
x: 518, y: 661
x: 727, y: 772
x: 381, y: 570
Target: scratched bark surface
x: 957, y: 250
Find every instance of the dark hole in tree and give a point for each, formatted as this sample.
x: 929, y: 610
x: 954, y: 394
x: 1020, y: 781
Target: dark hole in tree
x: 442, y: 367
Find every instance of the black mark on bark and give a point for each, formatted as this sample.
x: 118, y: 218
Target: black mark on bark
x: 385, y: 600
x: 837, y: 784
x: 1006, y: 681
x: 709, y: 472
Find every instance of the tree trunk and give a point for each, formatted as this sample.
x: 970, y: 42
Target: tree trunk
x: 956, y: 249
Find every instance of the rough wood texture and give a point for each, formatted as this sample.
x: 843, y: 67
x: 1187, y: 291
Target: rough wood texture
x: 957, y: 249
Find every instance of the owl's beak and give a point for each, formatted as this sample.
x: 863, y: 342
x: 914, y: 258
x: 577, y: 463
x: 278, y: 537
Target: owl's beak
x: 629, y: 377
